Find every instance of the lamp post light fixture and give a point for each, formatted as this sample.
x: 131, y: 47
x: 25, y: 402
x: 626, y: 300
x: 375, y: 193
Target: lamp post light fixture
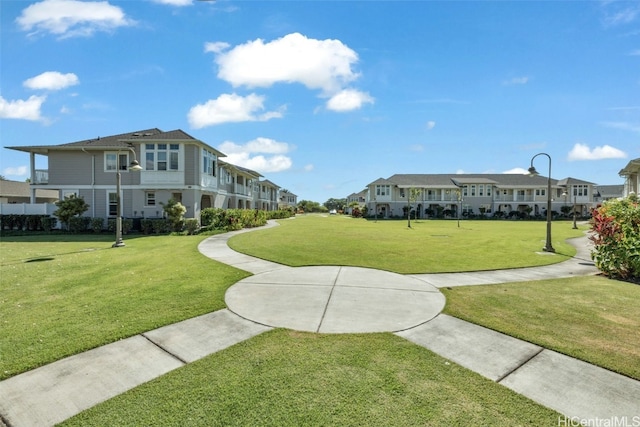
x: 135, y: 167
x: 533, y: 172
x: 575, y: 226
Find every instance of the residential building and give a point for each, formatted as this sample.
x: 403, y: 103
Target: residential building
x: 174, y: 165
x: 353, y: 198
x: 605, y: 192
x: 288, y: 200
x: 631, y: 175
x: 14, y: 192
x: 457, y: 195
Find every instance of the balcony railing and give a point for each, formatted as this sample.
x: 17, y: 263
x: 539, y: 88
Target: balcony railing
x: 41, y: 176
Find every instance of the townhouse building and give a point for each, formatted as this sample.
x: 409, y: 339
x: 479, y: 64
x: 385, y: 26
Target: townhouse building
x: 455, y: 195
x: 174, y: 165
x: 631, y: 175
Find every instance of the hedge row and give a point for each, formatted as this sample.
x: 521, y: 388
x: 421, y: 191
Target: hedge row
x: 237, y: 219
x: 27, y: 222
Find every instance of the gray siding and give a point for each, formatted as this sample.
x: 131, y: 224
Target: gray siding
x: 192, y: 164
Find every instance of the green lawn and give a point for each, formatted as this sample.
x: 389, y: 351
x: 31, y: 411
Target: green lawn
x: 590, y: 318
x: 427, y: 247
x: 61, y: 295
x: 285, y: 378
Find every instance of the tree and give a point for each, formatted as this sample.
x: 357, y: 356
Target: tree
x: 70, y: 207
x: 414, y: 194
x: 309, y: 206
x: 175, y: 212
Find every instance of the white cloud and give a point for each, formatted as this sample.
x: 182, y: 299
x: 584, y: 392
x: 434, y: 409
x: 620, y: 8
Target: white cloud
x: 622, y: 126
x: 230, y: 108
x: 69, y: 18
x: 416, y: 148
x: 178, y: 3
x: 309, y: 167
x: 621, y: 16
x: 51, y: 80
x: 251, y: 155
x: 348, y: 100
x: 216, y: 47
x: 431, y: 124
x: 635, y: 52
x: 21, y: 109
x: 19, y: 171
x: 516, y: 81
x: 294, y: 58
x: 517, y: 171
x: 583, y: 152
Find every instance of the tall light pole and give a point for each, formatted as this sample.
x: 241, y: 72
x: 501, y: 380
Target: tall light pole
x: 533, y: 172
x: 457, y: 184
x: 575, y: 226
x: 135, y: 167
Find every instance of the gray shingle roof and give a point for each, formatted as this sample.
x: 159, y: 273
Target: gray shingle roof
x: 120, y: 140
x: 445, y: 180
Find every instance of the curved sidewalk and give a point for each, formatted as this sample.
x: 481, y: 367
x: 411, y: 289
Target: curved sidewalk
x: 351, y: 299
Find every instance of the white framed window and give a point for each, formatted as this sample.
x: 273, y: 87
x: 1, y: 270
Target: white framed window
x: 383, y: 190
x: 541, y: 192
x: 150, y: 198
x: 465, y: 190
x: 112, y: 202
x: 481, y: 190
x: 162, y: 157
x: 208, y: 162
x: 114, y: 161
x: 488, y: 191
x: 473, y: 190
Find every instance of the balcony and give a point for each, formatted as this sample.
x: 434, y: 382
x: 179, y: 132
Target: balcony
x: 41, y: 176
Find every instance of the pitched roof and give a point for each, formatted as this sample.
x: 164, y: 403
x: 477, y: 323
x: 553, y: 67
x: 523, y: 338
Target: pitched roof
x: 267, y: 182
x: 22, y: 189
x: 446, y: 180
x: 118, y: 141
x: 241, y: 169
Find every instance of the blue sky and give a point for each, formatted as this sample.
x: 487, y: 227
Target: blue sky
x: 324, y: 97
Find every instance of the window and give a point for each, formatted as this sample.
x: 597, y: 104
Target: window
x: 488, y: 191
x: 465, y: 190
x: 115, y: 161
x: 150, y: 198
x: 541, y: 192
x: 113, y: 204
x: 177, y: 197
x: 473, y: 190
x: 481, y: 190
x: 208, y: 162
x: 383, y: 190
x: 162, y: 157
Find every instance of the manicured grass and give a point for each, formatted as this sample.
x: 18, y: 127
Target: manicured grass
x: 61, y: 295
x: 591, y: 318
x: 427, y: 247
x: 284, y: 378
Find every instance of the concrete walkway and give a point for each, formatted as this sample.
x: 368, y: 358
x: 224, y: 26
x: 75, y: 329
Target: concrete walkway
x: 330, y: 300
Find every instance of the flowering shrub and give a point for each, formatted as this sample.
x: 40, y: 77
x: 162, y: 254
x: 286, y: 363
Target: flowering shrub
x: 237, y: 219
x: 616, y: 236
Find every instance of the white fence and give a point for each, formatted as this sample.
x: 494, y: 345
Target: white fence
x: 27, y: 208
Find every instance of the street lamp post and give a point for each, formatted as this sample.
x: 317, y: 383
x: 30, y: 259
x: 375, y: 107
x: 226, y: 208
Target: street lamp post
x: 133, y: 166
x: 532, y: 171
x: 575, y: 226
x: 457, y: 184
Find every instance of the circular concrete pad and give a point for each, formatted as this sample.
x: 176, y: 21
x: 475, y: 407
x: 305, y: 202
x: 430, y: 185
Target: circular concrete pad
x: 335, y: 300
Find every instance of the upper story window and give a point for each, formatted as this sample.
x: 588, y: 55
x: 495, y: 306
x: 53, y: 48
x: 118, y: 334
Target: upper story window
x: 481, y: 190
x: 114, y: 161
x: 162, y: 157
x: 473, y: 190
x: 208, y: 162
x: 541, y: 191
x: 580, y: 190
x: 383, y: 190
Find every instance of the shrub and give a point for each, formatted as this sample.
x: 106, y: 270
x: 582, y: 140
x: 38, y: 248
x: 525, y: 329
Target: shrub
x: 97, y: 224
x: 48, y: 223
x: 192, y: 225
x: 175, y: 213
x: 78, y: 224
x: 160, y: 226
x: 146, y: 225
x: 70, y: 207
x: 355, y: 212
x: 616, y: 237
